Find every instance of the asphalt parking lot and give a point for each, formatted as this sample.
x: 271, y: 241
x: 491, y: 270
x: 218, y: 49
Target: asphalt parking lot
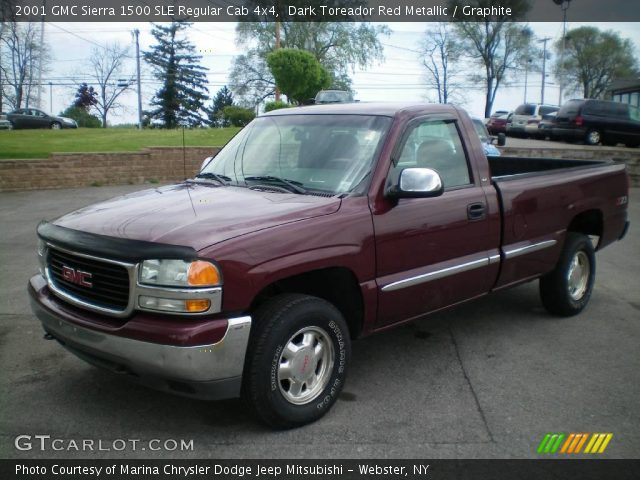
x: 484, y: 380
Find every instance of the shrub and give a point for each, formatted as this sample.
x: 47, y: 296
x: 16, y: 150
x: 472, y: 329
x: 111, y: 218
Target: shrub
x: 82, y: 117
x: 238, y: 116
x: 277, y: 105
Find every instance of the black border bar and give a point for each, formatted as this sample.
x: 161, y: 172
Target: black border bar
x: 387, y: 11
x: 201, y: 469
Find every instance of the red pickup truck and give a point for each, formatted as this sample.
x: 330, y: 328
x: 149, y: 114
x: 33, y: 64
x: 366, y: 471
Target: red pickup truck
x: 312, y: 227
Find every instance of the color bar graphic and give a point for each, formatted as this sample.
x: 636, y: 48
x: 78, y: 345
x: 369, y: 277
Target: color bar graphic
x: 551, y: 443
x: 598, y: 443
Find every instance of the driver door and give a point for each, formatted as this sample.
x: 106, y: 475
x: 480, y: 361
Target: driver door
x: 433, y: 252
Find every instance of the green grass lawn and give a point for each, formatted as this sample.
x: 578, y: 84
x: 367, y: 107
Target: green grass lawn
x: 17, y: 144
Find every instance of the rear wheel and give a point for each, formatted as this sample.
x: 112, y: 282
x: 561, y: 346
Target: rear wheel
x: 296, y: 361
x: 593, y: 137
x: 567, y: 289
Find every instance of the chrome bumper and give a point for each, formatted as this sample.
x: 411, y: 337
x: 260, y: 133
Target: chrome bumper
x: 205, y: 371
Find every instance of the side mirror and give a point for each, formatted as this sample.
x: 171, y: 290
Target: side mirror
x: 416, y: 183
x: 310, y: 101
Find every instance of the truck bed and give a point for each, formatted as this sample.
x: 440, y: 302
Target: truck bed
x: 539, y: 198
x: 508, y: 166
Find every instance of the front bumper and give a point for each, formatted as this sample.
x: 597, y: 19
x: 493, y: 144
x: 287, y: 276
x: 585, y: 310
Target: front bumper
x: 209, y: 371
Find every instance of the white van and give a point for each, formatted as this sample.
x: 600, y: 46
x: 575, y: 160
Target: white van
x: 526, y: 117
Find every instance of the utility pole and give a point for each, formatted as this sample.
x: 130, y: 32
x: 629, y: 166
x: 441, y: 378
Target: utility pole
x: 136, y: 32
x: 544, y: 65
x: 1, y: 76
x: 526, y: 74
x: 40, y: 59
x: 277, y: 47
x: 51, y: 97
x: 564, y: 6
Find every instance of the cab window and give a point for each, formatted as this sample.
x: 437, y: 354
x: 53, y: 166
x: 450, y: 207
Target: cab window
x: 436, y: 144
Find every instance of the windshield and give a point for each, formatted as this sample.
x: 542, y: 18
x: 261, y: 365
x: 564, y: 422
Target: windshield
x: 322, y: 153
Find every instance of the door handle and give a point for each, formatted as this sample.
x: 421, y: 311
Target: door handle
x: 476, y: 211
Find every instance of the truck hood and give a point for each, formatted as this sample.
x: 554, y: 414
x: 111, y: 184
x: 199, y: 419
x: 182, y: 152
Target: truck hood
x: 195, y: 215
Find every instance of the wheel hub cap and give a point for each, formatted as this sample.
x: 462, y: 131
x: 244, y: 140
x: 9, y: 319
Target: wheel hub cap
x: 578, y: 275
x: 305, y: 366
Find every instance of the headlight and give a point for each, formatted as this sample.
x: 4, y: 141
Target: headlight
x: 195, y: 280
x: 178, y: 273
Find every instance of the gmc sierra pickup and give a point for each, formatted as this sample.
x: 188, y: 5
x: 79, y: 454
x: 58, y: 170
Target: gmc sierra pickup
x: 312, y: 227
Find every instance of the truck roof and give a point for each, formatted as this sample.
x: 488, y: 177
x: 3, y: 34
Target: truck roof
x: 388, y: 109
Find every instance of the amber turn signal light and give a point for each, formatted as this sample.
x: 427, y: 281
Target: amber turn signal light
x: 202, y: 274
x: 195, y: 306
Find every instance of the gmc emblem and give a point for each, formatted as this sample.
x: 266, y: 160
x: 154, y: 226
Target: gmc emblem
x: 76, y: 276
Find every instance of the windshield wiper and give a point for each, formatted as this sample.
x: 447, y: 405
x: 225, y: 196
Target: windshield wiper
x: 223, y: 179
x: 292, y: 184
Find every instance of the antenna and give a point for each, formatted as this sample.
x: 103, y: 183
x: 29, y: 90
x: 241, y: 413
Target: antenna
x: 184, y: 155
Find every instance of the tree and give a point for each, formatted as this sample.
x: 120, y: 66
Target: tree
x: 223, y: 98
x: 338, y: 46
x: 592, y: 59
x: 496, y: 44
x: 181, y: 99
x: 22, y: 56
x: 107, y: 65
x: 85, y: 97
x: 297, y: 73
x: 441, y: 50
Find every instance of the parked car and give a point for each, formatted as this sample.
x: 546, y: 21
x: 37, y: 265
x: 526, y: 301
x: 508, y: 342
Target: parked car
x: 497, y: 123
x: 598, y: 121
x: 5, y: 124
x: 34, y: 118
x: 486, y: 139
x: 310, y: 228
x: 545, y: 126
x: 333, y: 96
x: 526, y: 117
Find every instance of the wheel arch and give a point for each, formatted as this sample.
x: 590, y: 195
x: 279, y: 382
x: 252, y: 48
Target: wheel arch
x: 589, y: 222
x: 337, y: 285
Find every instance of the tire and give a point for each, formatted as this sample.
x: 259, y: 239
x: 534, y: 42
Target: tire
x: 56, y: 126
x: 291, y: 397
x: 593, y: 137
x: 567, y: 289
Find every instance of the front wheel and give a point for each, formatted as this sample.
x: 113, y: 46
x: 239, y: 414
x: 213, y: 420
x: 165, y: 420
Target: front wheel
x: 567, y: 289
x: 56, y: 126
x: 297, y: 360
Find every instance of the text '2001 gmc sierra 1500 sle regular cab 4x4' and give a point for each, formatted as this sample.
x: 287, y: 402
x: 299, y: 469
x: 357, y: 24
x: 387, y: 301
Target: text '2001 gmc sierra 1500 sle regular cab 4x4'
x: 312, y: 227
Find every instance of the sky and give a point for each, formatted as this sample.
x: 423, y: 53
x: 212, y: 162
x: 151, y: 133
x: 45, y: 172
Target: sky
x: 399, y: 77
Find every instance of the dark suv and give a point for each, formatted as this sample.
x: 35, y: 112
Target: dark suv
x: 598, y: 121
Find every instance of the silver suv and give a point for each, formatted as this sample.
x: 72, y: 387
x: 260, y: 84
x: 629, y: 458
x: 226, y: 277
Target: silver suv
x: 525, y: 119
x: 333, y: 96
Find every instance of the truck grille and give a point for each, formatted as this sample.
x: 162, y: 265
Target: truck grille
x: 105, y: 286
